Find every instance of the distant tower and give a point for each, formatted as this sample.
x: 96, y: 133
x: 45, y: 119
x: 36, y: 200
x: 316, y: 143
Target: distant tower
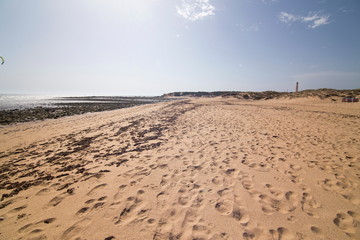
x: 297, y: 87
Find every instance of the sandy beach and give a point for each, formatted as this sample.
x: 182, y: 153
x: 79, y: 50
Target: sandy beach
x: 201, y: 168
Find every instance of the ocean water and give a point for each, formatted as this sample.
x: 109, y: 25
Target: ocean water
x: 18, y: 101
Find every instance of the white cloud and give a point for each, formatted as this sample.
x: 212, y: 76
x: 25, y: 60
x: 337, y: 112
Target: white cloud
x: 195, y: 9
x: 314, y: 19
x: 288, y: 18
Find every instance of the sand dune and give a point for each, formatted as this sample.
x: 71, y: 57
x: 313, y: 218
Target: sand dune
x: 218, y: 168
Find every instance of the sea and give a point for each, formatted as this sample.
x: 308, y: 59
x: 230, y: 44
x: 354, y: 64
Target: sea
x: 23, y: 101
x: 19, y: 101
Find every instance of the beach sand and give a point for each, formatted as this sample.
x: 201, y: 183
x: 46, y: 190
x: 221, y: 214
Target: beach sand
x: 207, y: 168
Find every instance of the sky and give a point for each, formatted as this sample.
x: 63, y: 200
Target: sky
x: 151, y: 47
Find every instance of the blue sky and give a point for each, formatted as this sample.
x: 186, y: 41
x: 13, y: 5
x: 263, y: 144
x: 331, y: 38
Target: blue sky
x: 151, y: 47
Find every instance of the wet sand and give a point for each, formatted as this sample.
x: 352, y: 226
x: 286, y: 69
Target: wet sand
x: 219, y: 168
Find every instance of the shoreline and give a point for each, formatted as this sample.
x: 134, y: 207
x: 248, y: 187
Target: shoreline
x: 58, y: 107
x: 69, y: 106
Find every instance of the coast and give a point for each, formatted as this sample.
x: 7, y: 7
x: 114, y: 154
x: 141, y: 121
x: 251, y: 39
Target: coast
x: 40, y: 108
x: 200, y: 168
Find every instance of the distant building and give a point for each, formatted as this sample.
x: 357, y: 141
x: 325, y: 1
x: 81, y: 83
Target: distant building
x: 297, y: 87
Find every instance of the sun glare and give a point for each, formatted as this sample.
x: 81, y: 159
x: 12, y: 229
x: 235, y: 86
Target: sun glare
x: 128, y: 8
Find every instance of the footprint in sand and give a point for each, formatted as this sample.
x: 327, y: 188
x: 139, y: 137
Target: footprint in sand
x: 283, y: 203
x: 82, y: 211
x: 217, y: 180
x: 102, y: 198
x: 25, y: 228
x: 317, y: 231
x: 252, y: 233
x: 86, y: 209
x: 295, y: 167
x: 57, y: 200
x: 94, y: 190
x: 352, y: 198
x: 294, y: 177
x: 246, y: 181
x: 200, y: 231
x: 14, y: 211
x: 76, y: 229
x: 224, y: 207
x: 281, y: 233
x: 98, y: 205
x: 188, y: 194
x: 134, y: 208
x: 35, y: 230
x: 348, y: 222
x: 161, y: 199
x: 9, y: 202
x: 165, y: 180
x: 241, y: 215
x: 309, y: 205
x: 43, y: 192
x: 275, y: 192
x: 258, y: 165
x: 90, y: 201
x: 224, y: 191
x: 151, y: 221
x: 232, y: 208
x: 118, y: 195
x: 340, y: 185
x: 232, y: 172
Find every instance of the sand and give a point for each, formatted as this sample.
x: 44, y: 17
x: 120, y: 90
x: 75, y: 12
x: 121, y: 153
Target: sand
x: 218, y: 168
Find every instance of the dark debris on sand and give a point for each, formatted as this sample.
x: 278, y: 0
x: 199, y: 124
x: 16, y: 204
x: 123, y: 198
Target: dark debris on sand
x: 80, y: 105
x: 69, y: 156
